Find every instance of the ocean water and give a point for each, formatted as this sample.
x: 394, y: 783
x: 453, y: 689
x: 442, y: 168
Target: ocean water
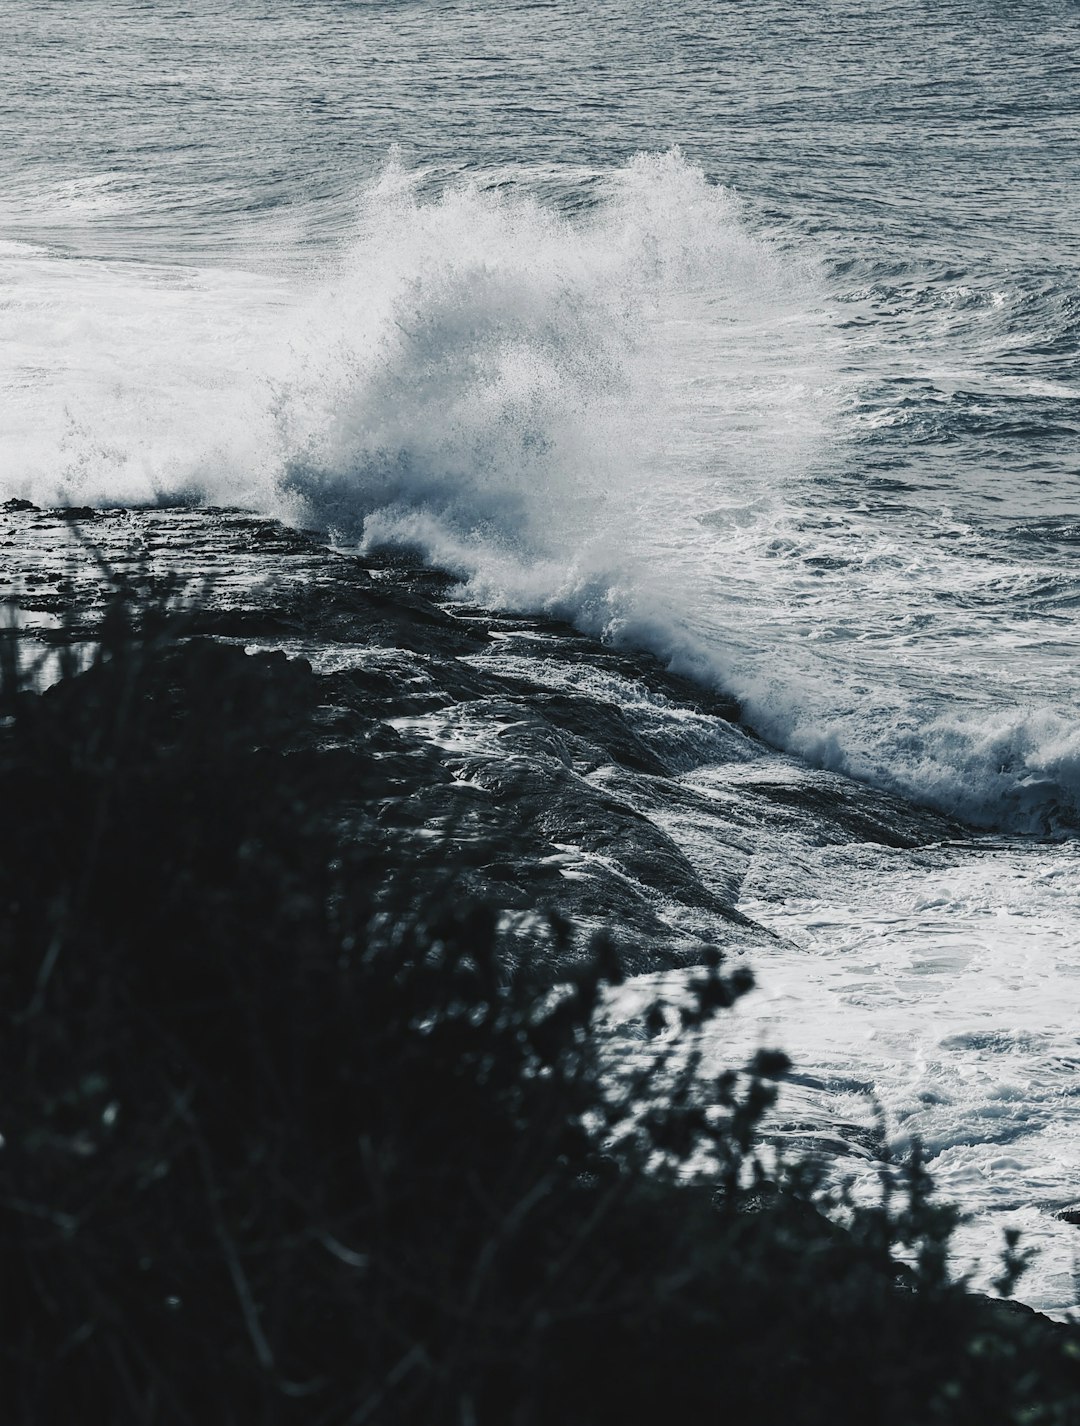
x: 746, y: 334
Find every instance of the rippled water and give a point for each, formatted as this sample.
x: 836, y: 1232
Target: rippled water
x: 747, y: 333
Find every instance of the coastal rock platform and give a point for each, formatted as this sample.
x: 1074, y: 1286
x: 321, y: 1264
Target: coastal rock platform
x: 619, y: 795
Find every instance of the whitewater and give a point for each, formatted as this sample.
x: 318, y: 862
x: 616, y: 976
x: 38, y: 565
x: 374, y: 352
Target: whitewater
x: 750, y: 340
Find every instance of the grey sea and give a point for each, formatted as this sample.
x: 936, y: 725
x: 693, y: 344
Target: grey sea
x: 747, y: 336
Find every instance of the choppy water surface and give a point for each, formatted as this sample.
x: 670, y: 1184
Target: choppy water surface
x: 747, y: 333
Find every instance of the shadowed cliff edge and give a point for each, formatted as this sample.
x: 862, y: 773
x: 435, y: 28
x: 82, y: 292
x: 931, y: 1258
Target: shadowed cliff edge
x: 307, y: 919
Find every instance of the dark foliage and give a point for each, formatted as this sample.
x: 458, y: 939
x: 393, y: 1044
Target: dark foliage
x: 286, y: 1141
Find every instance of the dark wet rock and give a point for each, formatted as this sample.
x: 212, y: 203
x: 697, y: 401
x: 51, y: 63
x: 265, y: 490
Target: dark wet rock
x: 238, y: 623
x: 345, y: 611
x: 502, y: 741
x: 561, y: 810
x: 82, y: 513
x: 722, y: 862
x: 15, y: 504
x: 533, y: 739
x: 598, y: 726
x: 857, y: 814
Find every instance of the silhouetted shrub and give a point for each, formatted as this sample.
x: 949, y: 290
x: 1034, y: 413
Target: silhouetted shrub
x: 285, y: 1140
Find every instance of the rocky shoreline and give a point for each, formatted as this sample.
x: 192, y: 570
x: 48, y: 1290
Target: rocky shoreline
x: 490, y: 729
x: 484, y: 753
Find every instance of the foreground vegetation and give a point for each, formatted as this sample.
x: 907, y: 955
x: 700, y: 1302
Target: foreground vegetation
x: 285, y: 1138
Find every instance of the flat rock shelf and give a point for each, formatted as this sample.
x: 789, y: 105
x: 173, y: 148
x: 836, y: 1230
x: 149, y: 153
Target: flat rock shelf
x: 484, y: 722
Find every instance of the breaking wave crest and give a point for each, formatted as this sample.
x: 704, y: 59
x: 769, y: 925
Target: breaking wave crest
x: 618, y: 414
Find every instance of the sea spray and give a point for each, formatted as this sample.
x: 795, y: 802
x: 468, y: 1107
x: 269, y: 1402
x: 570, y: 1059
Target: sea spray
x: 619, y: 414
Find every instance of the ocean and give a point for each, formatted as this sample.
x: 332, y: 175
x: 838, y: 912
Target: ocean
x: 746, y: 336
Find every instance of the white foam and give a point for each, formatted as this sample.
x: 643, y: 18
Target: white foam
x: 135, y: 383
x: 634, y: 416
x: 946, y: 980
